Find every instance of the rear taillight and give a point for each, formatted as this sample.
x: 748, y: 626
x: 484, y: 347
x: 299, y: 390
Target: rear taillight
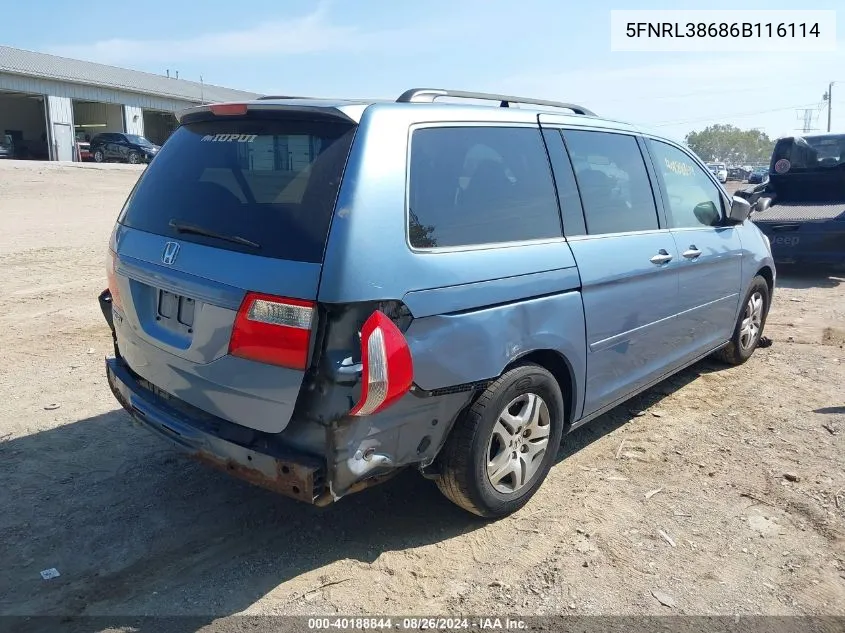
x: 388, y: 370
x: 111, y: 274
x: 273, y: 330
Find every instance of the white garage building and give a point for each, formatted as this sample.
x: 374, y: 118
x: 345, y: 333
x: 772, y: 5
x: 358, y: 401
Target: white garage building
x: 48, y: 102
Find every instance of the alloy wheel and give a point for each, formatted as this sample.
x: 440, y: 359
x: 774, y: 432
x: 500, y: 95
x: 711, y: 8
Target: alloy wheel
x: 752, y: 321
x: 518, y: 443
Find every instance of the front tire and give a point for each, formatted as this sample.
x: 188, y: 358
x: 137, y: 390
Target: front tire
x: 134, y: 158
x: 749, y: 326
x: 500, y: 452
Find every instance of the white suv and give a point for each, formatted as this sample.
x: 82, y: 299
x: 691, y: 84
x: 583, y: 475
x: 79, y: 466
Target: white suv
x: 720, y: 170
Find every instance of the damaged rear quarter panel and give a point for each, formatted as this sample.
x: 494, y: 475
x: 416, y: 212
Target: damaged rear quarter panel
x: 476, y: 345
x: 410, y: 432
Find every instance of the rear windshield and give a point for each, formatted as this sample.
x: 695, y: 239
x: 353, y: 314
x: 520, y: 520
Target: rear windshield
x: 267, y: 184
x: 806, y: 154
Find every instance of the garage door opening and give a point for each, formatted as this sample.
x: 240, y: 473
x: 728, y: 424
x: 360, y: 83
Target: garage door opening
x: 158, y: 126
x: 92, y: 118
x: 23, y: 127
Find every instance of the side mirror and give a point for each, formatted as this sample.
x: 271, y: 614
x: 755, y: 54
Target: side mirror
x: 707, y: 213
x: 762, y: 204
x: 740, y: 210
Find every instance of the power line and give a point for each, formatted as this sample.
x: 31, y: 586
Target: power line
x: 732, y: 116
x: 701, y: 93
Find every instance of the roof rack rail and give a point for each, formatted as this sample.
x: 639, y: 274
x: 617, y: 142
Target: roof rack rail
x: 428, y: 95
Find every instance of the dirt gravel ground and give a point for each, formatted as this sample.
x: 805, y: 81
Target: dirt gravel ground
x: 721, y: 491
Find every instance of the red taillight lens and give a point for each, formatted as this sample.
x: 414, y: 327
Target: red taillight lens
x: 111, y: 274
x: 273, y: 330
x: 388, y: 371
x: 228, y: 109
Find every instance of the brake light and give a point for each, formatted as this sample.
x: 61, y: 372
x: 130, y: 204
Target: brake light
x: 228, y: 109
x: 273, y: 330
x: 388, y: 369
x: 111, y: 274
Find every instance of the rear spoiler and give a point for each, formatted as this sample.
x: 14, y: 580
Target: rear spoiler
x: 302, y: 109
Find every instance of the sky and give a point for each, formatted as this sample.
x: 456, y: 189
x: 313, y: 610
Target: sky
x: 550, y: 49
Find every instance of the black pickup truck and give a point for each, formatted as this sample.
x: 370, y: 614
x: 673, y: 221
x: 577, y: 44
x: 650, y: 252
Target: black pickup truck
x: 801, y: 208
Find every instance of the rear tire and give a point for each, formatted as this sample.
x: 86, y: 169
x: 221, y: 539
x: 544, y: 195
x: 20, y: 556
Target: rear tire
x: 99, y: 157
x: 749, y: 326
x: 500, y: 452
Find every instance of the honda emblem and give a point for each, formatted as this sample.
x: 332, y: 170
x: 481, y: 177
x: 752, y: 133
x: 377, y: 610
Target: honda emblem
x: 171, y: 250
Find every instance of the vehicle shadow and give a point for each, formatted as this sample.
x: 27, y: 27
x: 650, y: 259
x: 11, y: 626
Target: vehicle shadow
x: 804, y: 277
x: 617, y: 417
x: 135, y: 528
x: 831, y: 410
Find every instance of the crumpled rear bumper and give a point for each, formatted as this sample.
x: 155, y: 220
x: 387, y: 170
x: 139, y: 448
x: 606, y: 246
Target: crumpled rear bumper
x: 209, y: 440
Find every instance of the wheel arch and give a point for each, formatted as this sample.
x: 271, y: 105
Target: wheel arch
x: 768, y: 274
x: 558, y: 366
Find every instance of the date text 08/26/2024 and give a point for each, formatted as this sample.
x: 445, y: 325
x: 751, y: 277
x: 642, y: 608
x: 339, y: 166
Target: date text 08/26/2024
x: 417, y: 623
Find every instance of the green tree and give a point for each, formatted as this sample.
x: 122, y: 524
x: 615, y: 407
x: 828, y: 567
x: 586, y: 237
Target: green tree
x: 729, y: 144
x: 421, y: 234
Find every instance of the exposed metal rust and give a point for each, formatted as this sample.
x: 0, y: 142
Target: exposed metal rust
x: 291, y: 479
x: 326, y: 498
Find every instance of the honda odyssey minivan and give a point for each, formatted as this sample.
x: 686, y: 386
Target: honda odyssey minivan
x: 313, y: 295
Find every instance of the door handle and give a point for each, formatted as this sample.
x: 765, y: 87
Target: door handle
x: 692, y: 252
x: 661, y: 258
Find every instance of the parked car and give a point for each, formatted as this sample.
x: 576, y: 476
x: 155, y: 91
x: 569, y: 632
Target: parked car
x: 801, y: 207
x: 316, y: 295
x: 758, y: 176
x: 126, y: 148
x: 720, y: 171
x: 7, y: 146
x: 736, y: 173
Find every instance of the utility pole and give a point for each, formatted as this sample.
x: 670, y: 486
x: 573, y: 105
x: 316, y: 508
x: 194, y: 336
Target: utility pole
x: 829, y: 97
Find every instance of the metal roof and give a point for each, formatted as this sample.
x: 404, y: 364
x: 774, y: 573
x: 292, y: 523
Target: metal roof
x: 30, y: 64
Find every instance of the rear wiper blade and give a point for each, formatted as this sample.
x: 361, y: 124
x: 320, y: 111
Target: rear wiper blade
x: 184, y: 227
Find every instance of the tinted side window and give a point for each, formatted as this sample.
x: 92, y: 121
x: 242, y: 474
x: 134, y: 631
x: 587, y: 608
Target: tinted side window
x: 694, y: 200
x: 613, y: 182
x: 480, y: 185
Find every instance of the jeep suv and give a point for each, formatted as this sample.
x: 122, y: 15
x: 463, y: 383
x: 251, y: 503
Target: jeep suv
x: 313, y: 294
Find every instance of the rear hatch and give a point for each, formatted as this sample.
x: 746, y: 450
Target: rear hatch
x: 217, y: 255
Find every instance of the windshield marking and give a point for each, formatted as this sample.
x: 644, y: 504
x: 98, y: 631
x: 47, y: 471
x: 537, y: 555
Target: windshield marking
x: 228, y: 138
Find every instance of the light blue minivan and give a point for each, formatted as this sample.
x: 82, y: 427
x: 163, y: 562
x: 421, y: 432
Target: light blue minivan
x: 315, y: 294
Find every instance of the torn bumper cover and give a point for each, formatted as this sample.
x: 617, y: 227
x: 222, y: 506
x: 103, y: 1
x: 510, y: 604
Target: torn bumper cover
x: 261, y: 462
